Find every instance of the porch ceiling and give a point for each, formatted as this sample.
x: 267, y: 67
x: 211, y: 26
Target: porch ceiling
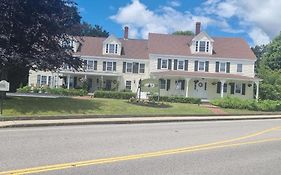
x: 91, y: 73
x: 185, y: 74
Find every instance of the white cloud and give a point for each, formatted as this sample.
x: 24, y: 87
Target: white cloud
x: 163, y: 20
x: 174, y: 3
x: 259, y: 36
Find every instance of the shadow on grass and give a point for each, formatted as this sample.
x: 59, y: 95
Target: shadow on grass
x: 47, y: 106
x: 152, y: 105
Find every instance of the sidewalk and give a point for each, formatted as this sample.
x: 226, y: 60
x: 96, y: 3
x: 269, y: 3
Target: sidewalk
x: 128, y: 120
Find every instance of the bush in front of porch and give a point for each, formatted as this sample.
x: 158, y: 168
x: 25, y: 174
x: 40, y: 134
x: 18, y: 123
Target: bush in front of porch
x: 176, y: 99
x: 114, y: 94
x: 238, y: 103
x: 53, y: 91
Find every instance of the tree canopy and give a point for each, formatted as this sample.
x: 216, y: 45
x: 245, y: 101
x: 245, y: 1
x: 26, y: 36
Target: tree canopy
x: 187, y: 32
x: 86, y: 29
x: 31, y: 33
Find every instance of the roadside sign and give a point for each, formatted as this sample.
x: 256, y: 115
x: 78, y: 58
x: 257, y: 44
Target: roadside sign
x: 4, y: 86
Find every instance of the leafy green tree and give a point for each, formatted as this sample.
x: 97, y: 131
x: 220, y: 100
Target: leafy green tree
x: 86, y: 29
x: 32, y: 33
x: 258, y: 50
x: 187, y: 32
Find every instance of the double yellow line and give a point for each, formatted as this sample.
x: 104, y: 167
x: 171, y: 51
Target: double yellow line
x: 214, y: 145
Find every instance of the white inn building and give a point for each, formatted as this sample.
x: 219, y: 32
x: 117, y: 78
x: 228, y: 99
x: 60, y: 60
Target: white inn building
x: 190, y: 66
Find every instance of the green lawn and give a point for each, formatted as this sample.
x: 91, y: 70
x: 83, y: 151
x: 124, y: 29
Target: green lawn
x: 27, y: 106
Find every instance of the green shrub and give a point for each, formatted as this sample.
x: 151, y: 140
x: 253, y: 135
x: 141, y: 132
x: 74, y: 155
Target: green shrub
x: 174, y: 99
x: 237, y: 103
x: 54, y: 91
x: 25, y: 89
x: 114, y: 94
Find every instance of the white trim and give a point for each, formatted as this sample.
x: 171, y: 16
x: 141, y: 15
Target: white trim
x: 112, y: 58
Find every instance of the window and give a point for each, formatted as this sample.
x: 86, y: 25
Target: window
x: 111, y: 48
x: 164, y: 64
x: 207, y: 47
x: 201, y: 66
x: 129, y: 85
x: 106, y: 51
x: 181, y: 65
x: 196, y: 46
x: 238, y: 88
x: 142, y: 67
x: 90, y: 64
x: 116, y: 47
x: 202, y: 46
x: 178, y: 85
x: 109, y: 66
x: 129, y: 67
x: 222, y: 67
x: 43, y: 80
x: 225, y: 87
x: 162, y: 84
x: 135, y: 68
x: 239, y: 68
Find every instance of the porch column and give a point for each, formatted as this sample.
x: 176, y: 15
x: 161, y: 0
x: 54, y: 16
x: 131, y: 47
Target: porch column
x: 257, y: 90
x: 186, y: 85
x: 68, y: 81
x: 222, y: 84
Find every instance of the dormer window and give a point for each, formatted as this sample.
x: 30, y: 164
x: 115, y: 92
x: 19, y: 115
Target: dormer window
x: 111, y: 48
x: 202, y: 46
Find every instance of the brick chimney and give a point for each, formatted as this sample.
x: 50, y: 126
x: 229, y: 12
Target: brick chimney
x: 198, y: 28
x: 126, y: 32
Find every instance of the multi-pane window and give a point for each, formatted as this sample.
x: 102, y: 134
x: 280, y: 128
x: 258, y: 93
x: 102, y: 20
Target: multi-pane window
x: 222, y: 67
x: 162, y: 84
x: 207, y: 46
x: 164, y: 64
x: 239, y: 68
x: 38, y: 79
x: 196, y: 46
x: 201, y: 66
x: 142, y: 67
x: 129, y: 85
x: 129, y: 67
x: 238, y: 88
x: 225, y: 87
x: 202, y: 46
x: 111, y: 48
x: 43, y: 80
x: 180, y: 65
x: 109, y: 66
x: 90, y: 64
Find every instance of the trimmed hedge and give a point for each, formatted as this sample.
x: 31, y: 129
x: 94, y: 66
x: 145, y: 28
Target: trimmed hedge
x: 174, y: 99
x: 237, y: 103
x: 54, y: 91
x: 114, y: 94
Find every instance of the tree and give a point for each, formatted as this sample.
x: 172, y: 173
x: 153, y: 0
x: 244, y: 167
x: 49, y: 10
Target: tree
x: 32, y: 33
x: 258, y: 51
x: 187, y: 32
x: 86, y: 29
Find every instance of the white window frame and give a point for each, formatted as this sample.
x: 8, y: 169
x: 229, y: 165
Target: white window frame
x: 238, y: 69
x: 202, y: 45
x: 42, y: 82
x: 93, y: 65
x: 162, y: 86
x: 183, y: 64
x: 220, y: 67
x: 203, y: 66
x: 238, y: 86
x: 162, y: 60
x: 128, y: 66
x: 141, y: 68
x: 128, y: 86
x: 107, y: 67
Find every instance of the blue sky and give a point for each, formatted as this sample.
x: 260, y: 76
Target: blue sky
x: 257, y: 21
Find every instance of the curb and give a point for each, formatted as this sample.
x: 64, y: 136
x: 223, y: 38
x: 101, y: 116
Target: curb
x: 144, y: 121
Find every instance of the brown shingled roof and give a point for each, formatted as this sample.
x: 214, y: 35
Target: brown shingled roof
x: 202, y: 75
x: 179, y: 45
x: 131, y: 48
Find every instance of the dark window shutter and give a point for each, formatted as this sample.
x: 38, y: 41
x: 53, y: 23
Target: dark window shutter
x: 168, y: 84
x: 207, y: 66
x: 124, y: 67
x: 217, y: 66
x: 228, y: 67
x: 185, y: 64
x: 196, y: 66
x: 243, y: 89
x: 170, y: 64
x: 104, y: 66
x: 182, y: 84
x: 175, y: 64
x: 159, y: 63
x: 95, y: 65
x: 219, y: 87
x: 231, y: 88
x: 114, y: 66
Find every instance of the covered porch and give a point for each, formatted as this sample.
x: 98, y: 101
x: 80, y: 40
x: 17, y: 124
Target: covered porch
x: 206, y: 86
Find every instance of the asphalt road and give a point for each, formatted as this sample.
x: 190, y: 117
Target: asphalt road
x: 232, y: 147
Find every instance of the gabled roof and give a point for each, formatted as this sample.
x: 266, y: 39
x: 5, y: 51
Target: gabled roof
x: 223, y: 47
x: 111, y: 38
x: 201, y: 35
x: 131, y: 48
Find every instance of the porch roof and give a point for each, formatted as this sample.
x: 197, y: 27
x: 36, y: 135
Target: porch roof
x: 185, y: 74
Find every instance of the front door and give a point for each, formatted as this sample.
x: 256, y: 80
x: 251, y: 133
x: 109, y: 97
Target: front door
x: 108, y: 85
x: 200, y: 89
